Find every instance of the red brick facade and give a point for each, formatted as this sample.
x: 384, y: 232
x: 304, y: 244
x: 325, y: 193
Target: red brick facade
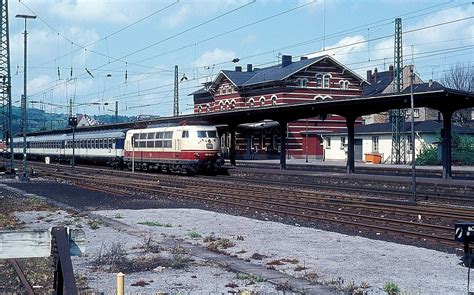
x: 322, y: 79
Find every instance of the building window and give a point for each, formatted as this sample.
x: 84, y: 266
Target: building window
x: 328, y: 142
x: 221, y: 106
x: 227, y: 105
x: 262, y: 101
x: 208, y: 108
x: 326, y: 79
x: 344, y: 84
x: 319, y: 80
x: 232, y: 104
x: 199, y: 109
x: 251, y: 102
x: 416, y: 113
x: 375, y: 143
x: 302, y: 82
x: 274, y: 100
x: 343, y: 142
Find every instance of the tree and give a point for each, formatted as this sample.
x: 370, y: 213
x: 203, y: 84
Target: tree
x: 461, y: 77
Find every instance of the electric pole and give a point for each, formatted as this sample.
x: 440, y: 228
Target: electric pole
x: 176, y: 94
x: 24, y: 100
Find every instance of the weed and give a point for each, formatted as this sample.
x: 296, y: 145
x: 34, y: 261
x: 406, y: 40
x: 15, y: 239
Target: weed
x: 179, y: 261
x: 231, y: 285
x: 150, y: 245
x: 240, y: 238
x: 250, y: 277
x: 209, y: 239
x: 34, y: 200
x: 114, y: 256
x: 311, y: 276
x: 275, y: 262
x: 178, y: 250
x: 155, y: 223
x: 292, y: 261
x: 118, y: 216
x: 140, y: 283
x: 95, y: 223
x: 391, y: 288
x: 220, y: 244
x: 299, y: 268
x: 286, y: 286
x: 194, y: 235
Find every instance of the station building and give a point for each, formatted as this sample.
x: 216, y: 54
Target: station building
x: 307, y: 79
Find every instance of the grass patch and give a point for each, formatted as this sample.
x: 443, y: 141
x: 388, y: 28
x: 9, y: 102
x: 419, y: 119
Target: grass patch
x: 95, y: 223
x: 250, y: 277
x: 391, y: 288
x: 155, y: 223
x: 194, y: 235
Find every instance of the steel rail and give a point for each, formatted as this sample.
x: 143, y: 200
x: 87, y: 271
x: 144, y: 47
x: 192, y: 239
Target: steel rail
x: 22, y: 276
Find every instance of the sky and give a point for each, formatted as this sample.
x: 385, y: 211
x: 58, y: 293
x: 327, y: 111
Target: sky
x: 97, y: 52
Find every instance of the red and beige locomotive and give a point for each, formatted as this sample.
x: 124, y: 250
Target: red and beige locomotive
x: 186, y: 148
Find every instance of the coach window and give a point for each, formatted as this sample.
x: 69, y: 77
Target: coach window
x: 169, y: 134
x: 158, y: 143
x: 185, y: 134
x: 160, y: 135
x: 150, y: 144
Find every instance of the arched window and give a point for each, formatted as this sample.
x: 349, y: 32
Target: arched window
x: 319, y: 80
x: 302, y: 82
x: 319, y: 97
x: 344, y: 84
x: 251, y: 102
x: 274, y: 100
x: 221, y: 105
x: 326, y: 80
x: 232, y: 104
x: 327, y: 97
x: 208, y: 108
x: 199, y: 109
x: 262, y: 101
x: 227, y: 105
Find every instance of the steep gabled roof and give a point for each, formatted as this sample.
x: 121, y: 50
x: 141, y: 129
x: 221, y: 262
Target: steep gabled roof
x: 276, y: 73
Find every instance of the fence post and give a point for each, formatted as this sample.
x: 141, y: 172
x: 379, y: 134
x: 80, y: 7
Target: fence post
x: 120, y: 283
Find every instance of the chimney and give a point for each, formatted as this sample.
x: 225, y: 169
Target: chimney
x: 238, y: 69
x: 375, y: 75
x: 285, y: 60
x: 390, y: 71
x: 369, y: 76
x: 390, y: 68
x: 249, y: 67
x: 430, y: 83
x: 303, y: 58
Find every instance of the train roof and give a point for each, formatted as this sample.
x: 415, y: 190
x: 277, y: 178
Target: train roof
x: 77, y: 135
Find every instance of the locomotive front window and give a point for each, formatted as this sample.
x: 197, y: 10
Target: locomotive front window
x: 204, y: 134
x: 212, y: 134
x: 185, y: 134
x: 160, y: 135
x: 151, y: 136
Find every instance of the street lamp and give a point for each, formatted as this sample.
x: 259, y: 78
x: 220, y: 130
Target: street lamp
x: 24, y: 97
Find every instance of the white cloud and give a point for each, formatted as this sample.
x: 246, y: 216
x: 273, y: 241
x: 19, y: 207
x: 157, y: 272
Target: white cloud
x: 344, y: 49
x: 218, y: 55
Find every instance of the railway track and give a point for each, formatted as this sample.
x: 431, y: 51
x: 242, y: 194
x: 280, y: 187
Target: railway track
x: 416, y: 222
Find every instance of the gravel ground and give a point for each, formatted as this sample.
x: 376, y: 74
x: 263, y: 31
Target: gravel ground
x: 335, y: 258
x: 197, y: 277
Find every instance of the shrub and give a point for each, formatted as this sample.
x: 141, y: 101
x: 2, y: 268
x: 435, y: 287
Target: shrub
x: 391, y: 288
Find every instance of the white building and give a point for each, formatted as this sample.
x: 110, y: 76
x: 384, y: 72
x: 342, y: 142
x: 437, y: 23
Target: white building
x: 377, y: 139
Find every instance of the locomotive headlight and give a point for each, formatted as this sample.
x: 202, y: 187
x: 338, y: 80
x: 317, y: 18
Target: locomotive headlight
x: 219, y: 155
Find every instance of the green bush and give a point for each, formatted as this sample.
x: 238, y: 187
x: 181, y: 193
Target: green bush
x: 462, y: 148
